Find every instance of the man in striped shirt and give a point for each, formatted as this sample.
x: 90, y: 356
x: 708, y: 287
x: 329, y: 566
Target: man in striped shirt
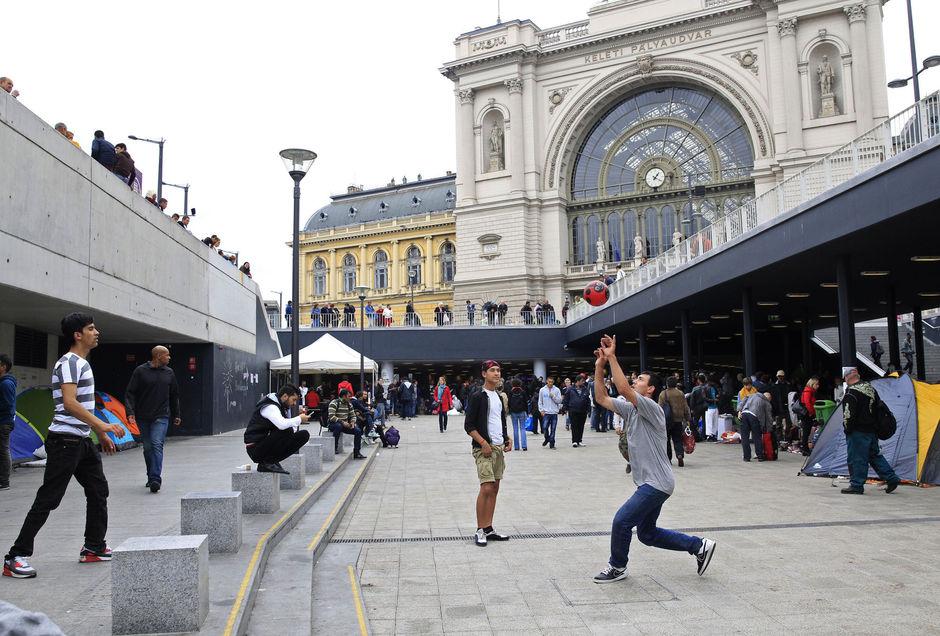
x: 70, y: 451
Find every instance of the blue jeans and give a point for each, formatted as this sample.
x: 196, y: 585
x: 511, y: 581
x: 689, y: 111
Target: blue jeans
x: 549, y: 422
x: 380, y: 412
x: 863, y: 450
x: 518, y: 429
x: 641, y: 512
x: 153, y: 435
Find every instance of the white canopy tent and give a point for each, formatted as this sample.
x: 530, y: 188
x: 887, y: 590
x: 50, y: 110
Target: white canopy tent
x: 327, y: 355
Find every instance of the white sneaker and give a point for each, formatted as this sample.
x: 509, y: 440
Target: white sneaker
x: 704, y: 555
x: 610, y: 574
x: 479, y: 537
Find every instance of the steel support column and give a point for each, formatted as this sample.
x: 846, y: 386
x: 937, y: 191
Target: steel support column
x: 919, y: 362
x: 686, y: 351
x: 847, y: 349
x: 747, y: 304
x: 641, y: 339
x: 894, y: 347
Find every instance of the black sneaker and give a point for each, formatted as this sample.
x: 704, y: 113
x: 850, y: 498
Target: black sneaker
x: 704, y: 556
x: 18, y: 568
x: 610, y: 574
x: 892, y: 486
x: 852, y: 491
x: 359, y: 456
x: 272, y: 468
x: 479, y: 537
x: 492, y: 535
x: 155, y: 486
x: 681, y: 462
x: 4, y: 486
x: 87, y: 555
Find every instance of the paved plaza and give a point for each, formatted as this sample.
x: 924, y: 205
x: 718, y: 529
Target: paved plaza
x: 793, y: 553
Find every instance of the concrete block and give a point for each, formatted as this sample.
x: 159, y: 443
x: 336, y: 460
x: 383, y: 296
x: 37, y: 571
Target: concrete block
x: 261, y: 492
x: 313, y: 457
x: 160, y: 584
x: 329, y: 449
x: 297, y: 478
x: 216, y: 514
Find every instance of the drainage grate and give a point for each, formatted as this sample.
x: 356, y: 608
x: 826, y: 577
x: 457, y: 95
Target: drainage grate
x: 606, y: 533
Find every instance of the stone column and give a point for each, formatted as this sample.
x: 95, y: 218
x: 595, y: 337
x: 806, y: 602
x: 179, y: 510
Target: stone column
x: 861, y: 80
x: 875, y: 48
x: 516, y: 162
x: 429, y: 275
x: 332, y: 290
x: 466, y: 166
x: 363, y: 270
x: 786, y: 29
x: 393, y: 268
x: 530, y: 123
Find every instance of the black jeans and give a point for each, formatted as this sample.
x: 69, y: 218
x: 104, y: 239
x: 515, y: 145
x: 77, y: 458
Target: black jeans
x: 6, y: 464
x: 806, y: 425
x: 339, y: 429
x: 442, y: 418
x: 67, y: 456
x: 674, y: 431
x: 751, y: 431
x: 577, y: 426
x: 277, y: 446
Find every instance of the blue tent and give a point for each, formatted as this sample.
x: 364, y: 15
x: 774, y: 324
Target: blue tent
x: 24, y: 440
x: 124, y: 440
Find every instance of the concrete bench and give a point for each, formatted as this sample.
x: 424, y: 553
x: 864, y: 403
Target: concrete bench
x: 216, y: 514
x: 261, y: 492
x: 160, y: 584
x: 297, y: 477
x: 313, y: 457
x: 328, y: 444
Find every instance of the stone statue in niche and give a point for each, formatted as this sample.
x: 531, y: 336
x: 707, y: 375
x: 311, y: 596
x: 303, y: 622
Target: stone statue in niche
x: 599, y: 246
x: 826, y: 75
x: 676, y: 238
x: 639, y: 249
x: 497, y: 157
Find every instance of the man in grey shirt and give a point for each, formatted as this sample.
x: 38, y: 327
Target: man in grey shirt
x: 756, y: 417
x: 645, y: 428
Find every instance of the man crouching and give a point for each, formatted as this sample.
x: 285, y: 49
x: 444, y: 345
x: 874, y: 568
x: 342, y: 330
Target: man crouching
x: 271, y: 435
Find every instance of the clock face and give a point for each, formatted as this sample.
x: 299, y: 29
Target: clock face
x: 655, y: 177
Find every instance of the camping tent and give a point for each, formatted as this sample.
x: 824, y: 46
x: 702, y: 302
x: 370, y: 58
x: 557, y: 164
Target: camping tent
x: 326, y: 355
x: 913, y: 451
x: 24, y: 440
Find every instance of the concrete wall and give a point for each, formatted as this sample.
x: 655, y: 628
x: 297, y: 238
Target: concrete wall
x: 70, y: 231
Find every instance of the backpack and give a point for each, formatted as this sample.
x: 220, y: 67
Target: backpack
x: 885, y: 423
x: 667, y: 411
x: 392, y: 436
x: 797, y: 406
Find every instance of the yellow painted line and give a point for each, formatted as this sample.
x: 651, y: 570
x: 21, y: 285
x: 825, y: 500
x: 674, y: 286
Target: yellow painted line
x: 360, y: 614
x: 339, y: 503
x: 262, y: 540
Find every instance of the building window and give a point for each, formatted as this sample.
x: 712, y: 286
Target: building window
x: 319, y: 277
x: 381, y: 270
x: 448, y: 262
x: 577, y: 241
x: 614, y: 243
x: 414, y: 265
x: 30, y: 348
x: 349, y: 274
x: 593, y: 235
x: 651, y: 222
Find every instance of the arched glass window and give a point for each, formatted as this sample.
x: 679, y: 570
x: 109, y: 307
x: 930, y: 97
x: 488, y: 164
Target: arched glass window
x: 448, y: 262
x: 349, y: 274
x: 686, y: 222
x: 381, y: 270
x: 629, y: 231
x: 319, y: 277
x: 707, y: 211
x: 651, y: 224
x: 668, y: 220
x: 614, y: 240
x: 577, y: 241
x: 414, y: 265
x: 694, y: 129
x: 593, y: 233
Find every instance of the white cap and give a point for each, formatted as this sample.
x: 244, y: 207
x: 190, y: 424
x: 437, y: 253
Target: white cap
x: 847, y: 370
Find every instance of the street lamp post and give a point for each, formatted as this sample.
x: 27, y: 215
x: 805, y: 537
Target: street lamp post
x: 160, y: 143
x: 930, y: 62
x: 298, y: 162
x: 412, y: 275
x: 185, y: 189
x: 361, y: 291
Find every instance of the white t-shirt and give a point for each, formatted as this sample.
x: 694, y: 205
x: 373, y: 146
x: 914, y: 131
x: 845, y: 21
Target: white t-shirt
x: 494, y: 423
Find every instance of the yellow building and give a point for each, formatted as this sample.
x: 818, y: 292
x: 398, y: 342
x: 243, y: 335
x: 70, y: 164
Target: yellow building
x: 397, y: 240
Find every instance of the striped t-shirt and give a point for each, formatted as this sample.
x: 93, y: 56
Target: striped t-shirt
x: 72, y: 369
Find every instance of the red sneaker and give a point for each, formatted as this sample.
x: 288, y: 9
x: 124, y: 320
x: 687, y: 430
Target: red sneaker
x: 18, y: 568
x: 93, y: 556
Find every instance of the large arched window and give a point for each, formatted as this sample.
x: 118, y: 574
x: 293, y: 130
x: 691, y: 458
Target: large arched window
x: 614, y: 240
x: 349, y: 274
x: 651, y: 224
x: 668, y: 221
x: 593, y: 233
x: 577, y: 241
x: 629, y: 231
x: 319, y: 277
x: 448, y: 262
x: 381, y: 270
x: 414, y: 265
x: 691, y: 133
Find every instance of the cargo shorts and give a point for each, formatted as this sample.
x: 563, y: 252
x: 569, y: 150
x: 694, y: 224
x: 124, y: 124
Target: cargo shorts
x: 490, y: 469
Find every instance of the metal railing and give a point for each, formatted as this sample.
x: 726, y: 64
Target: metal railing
x: 452, y: 319
x: 909, y: 127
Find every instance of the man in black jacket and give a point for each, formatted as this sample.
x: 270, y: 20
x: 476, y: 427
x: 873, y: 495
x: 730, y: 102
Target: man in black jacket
x: 124, y: 164
x: 271, y: 434
x: 151, y: 401
x: 859, y: 418
x: 577, y: 404
x: 485, y: 423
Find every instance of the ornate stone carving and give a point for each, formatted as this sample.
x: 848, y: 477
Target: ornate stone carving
x: 855, y: 12
x: 747, y: 59
x: 644, y: 64
x: 465, y: 95
x: 825, y: 75
x: 497, y: 158
x: 786, y: 27
x: 486, y: 45
x: 599, y: 246
x: 514, y: 84
x: 556, y: 97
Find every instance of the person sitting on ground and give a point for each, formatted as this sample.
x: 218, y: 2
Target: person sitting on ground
x: 272, y: 435
x: 342, y: 419
x: 245, y: 269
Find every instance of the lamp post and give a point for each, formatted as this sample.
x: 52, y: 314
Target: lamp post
x: 298, y: 162
x: 159, y: 162
x: 185, y: 189
x: 930, y: 62
x: 361, y: 291
x: 412, y: 275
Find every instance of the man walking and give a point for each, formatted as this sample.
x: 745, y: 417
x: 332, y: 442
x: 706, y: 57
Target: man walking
x: 272, y: 435
x: 151, y: 401
x: 907, y: 349
x: 549, y: 401
x: 679, y: 417
x: 577, y: 403
x: 756, y: 417
x: 342, y: 419
x: 860, y: 407
x: 876, y: 351
x: 645, y: 428
x: 485, y: 423
x: 70, y: 451
x: 7, y: 418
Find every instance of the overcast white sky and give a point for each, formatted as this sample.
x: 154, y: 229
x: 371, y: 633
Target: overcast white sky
x: 229, y: 84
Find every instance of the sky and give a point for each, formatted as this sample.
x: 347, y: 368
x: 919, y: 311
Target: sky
x: 228, y: 85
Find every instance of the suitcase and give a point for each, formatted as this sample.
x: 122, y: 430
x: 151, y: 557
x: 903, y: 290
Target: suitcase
x: 770, y: 446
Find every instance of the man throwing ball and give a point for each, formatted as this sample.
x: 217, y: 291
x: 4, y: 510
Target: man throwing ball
x: 645, y: 428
